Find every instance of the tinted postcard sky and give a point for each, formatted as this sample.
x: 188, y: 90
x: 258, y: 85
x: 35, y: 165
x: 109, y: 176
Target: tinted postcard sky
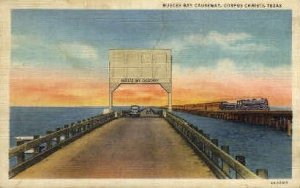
x: 60, y: 57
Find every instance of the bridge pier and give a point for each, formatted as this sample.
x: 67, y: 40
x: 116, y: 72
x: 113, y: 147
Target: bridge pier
x: 289, y: 127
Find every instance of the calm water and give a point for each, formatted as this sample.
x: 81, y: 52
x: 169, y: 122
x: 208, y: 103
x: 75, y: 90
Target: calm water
x: 28, y: 121
x: 263, y: 147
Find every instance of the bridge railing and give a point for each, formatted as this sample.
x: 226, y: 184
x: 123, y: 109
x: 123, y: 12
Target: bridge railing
x: 42, y: 146
x: 218, y: 159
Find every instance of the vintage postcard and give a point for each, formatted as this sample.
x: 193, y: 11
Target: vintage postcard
x: 149, y: 93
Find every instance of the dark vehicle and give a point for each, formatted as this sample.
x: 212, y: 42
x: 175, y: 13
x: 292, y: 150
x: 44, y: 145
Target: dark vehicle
x: 246, y: 104
x: 253, y: 104
x: 242, y: 104
x: 134, y: 111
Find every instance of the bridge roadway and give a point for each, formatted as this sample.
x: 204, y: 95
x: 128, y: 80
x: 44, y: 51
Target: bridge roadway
x: 124, y: 148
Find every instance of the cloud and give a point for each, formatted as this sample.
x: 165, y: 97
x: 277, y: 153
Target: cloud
x: 226, y: 67
x: 78, y: 50
x: 227, y: 38
x: 225, y: 64
x: 231, y: 41
x: 69, y: 49
x: 20, y: 40
x: 214, y: 37
x: 30, y: 51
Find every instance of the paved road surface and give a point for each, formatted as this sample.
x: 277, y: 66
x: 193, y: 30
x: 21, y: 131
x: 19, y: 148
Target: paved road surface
x: 124, y: 148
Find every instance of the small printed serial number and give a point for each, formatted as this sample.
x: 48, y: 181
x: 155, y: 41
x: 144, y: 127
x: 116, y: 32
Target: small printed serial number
x: 279, y: 182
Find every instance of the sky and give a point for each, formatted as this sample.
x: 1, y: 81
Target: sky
x: 60, y: 57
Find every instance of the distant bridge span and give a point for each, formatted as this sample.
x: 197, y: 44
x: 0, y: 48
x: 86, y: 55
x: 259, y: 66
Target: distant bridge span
x: 281, y: 120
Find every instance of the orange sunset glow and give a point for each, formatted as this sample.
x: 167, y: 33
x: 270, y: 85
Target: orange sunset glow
x: 61, y: 58
x: 64, y: 89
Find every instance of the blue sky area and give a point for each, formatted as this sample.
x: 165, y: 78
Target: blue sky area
x: 197, y: 37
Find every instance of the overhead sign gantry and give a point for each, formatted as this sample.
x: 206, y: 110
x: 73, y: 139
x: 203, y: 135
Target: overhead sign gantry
x: 134, y: 66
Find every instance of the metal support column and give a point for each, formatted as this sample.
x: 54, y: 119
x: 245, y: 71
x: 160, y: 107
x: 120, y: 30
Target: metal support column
x: 110, y: 100
x: 169, y: 101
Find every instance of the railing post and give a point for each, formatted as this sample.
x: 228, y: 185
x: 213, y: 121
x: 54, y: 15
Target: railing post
x: 88, y: 123
x: 199, y: 143
x: 79, y: 127
x: 242, y: 160
x: 72, y: 129
x: 215, y: 158
x: 225, y: 166
x: 58, y: 137
x: 36, y: 149
x: 90, y: 126
x: 200, y: 131
x: 263, y: 173
x: 20, y: 156
x: 206, y: 150
x: 67, y: 134
x: 49, y: 142
x: 164, y: 113
x: 92, y: 123
x: 84, y: 125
